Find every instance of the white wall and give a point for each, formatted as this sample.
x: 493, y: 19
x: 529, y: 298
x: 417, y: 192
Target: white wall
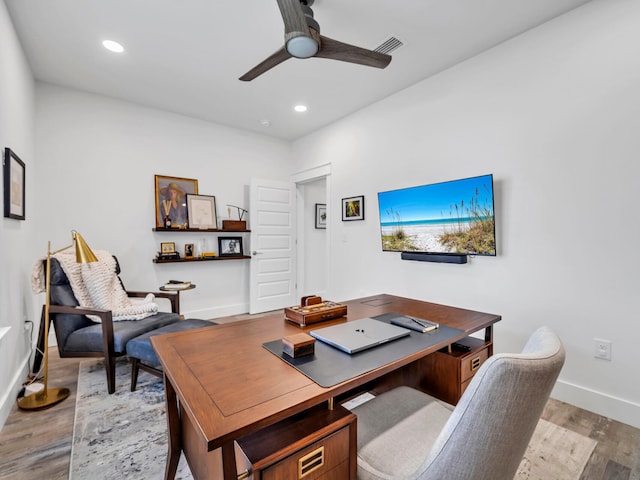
x: 16, y: 236
x: 98, y: 161
x: 314, y: 272
x: 554, y: 115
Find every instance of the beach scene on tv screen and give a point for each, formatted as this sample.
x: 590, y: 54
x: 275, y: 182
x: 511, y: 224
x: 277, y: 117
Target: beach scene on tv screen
x: 449, y: 217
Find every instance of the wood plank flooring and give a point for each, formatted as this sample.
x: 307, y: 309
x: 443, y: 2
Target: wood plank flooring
x: 37, y: 445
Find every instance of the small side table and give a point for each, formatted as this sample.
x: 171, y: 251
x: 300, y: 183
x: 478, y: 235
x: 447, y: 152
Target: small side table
x: 178, y: 290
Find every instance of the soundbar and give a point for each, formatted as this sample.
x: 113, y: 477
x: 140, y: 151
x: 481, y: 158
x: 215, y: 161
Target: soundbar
x: 435, y: 257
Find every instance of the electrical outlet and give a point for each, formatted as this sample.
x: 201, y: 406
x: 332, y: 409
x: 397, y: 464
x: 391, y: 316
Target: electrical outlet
x: 602, y: 348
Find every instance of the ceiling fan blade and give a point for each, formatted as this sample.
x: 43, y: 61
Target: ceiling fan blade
x: 335, y: 50
x: 267, y: 64
x: 295, y: 24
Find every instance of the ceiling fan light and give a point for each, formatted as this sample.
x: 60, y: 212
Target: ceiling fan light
x: 302, y: 47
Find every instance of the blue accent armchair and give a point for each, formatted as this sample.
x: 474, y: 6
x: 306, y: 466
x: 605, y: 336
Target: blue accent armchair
x: 79, y: 336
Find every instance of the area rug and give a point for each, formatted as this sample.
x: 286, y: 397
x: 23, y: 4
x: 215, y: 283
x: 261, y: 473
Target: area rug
x: 124, y: 435
x: 555, y: 453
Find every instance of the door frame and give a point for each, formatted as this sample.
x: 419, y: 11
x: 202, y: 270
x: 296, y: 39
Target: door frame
x: 299, y: 179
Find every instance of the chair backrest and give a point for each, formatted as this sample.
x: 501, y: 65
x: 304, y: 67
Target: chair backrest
x: 62, y: 294
x: 490, y: 428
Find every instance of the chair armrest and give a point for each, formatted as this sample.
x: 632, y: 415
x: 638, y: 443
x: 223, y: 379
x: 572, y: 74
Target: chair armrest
x: 106, y: 320
x: 103, y: 314
x: 173, y: 297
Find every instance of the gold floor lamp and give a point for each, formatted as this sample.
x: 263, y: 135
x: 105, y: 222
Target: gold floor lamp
x: 47, y: 397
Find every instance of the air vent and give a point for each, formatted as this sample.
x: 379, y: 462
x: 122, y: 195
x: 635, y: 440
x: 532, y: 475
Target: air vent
x: 389, y: 45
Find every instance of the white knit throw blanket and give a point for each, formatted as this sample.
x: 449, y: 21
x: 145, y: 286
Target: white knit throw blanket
x: 96, y: 285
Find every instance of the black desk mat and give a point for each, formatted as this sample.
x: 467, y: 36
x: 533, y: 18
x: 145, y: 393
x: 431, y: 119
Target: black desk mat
x: 329, y: 366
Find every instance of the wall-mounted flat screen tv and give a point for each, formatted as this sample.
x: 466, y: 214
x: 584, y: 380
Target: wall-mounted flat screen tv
x: 455, y: 217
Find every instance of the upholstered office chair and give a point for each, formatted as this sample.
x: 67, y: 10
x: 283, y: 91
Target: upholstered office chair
x: 406, y: 434
x: 79, y: 336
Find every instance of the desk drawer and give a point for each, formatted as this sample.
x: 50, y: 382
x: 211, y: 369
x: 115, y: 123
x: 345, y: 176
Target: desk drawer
x: 470, y: 364
x: 327, y: 456
x: 318, y: 444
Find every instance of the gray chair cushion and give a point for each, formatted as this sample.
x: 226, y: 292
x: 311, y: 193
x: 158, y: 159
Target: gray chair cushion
x: 398, y: 437
x: 140, y: 347
x: 89, y: 339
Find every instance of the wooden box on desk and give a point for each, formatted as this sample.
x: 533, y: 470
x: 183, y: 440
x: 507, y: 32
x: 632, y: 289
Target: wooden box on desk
x: 314, y: 313
x: 298, y: 345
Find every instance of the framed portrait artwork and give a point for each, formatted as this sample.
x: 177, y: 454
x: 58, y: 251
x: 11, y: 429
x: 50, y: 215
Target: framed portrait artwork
x: 188, y: 250
x: 353, y: 208
x: 168, y: 247
x: 14, y: 177
x: 201, y: 210
x: 321, y: 215
x: 230, y: 246
x: 171, y: 200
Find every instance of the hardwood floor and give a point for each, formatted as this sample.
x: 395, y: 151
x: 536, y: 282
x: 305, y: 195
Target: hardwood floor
x: 37, y: 445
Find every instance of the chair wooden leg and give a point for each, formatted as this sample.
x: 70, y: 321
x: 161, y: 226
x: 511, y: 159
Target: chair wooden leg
x: 134, y: 373
x: 110, y: 365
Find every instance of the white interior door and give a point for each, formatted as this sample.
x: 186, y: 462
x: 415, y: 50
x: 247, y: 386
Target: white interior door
x: 272, y: 212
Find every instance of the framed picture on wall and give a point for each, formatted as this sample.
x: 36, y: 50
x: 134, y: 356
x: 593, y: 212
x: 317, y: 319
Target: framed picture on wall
x: 321, y: 215
x: 201, y: 211
x: 230, y: 246
x: 14, y: 177
x: 353, y: 208
x: 171, y: 200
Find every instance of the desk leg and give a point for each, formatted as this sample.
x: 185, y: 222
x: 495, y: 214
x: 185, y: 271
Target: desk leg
x: 173, y: 430
x: 229, y: 469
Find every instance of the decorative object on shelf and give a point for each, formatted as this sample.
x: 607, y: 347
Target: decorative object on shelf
x: 201, y: 211
x: 313, y: 309
x: 14, y: 185
x: 321, y: 215
x: 188, y: 250
x: 47, y: 397
x: 167, y: 247
x: 230, y: 246
x: 168, y: 252
x: 235, y: 225
x: 171, y: 200
x: 353, y: 208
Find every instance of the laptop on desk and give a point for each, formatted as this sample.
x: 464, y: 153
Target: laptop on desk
x: 358, y: 335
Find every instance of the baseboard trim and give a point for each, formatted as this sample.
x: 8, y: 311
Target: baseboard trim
x: 601, y: 403
x: 7, y: 400
x: 213, y: 313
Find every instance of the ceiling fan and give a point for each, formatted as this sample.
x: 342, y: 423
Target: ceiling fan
x: 303, y: 40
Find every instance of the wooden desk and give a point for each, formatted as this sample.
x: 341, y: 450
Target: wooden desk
x: 221, y: 384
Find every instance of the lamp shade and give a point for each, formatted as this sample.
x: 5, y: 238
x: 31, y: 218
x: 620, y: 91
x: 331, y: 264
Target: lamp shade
x: 83, y: 252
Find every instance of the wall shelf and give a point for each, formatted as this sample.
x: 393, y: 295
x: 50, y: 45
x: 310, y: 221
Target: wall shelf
x: 198, y: 230
x: 194, y: 259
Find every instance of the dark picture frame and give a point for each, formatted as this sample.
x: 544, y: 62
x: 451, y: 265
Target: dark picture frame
x: 201, y: 210
x: 321, y: 215
x: 14, y: 185
x: 171, y: 200
x: 188, y: 250
x: 353, y: 208
x: 230, y: 247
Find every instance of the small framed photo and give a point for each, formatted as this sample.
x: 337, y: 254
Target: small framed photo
x: 230, y: 246
x: 171, y: 200
x: 188, y: 250
x: 202, y: 211
x: 168, y: 247
x: 353, y: 208
x: 14, y: 176
x: 321, y: 215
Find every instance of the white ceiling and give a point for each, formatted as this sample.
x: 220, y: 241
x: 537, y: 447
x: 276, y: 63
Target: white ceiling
x: 185, y: 56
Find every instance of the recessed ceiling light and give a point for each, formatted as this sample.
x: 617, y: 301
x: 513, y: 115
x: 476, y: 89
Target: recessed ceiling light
x: 113, y: 46
x: 265, y: 123
x: 300, y: 108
